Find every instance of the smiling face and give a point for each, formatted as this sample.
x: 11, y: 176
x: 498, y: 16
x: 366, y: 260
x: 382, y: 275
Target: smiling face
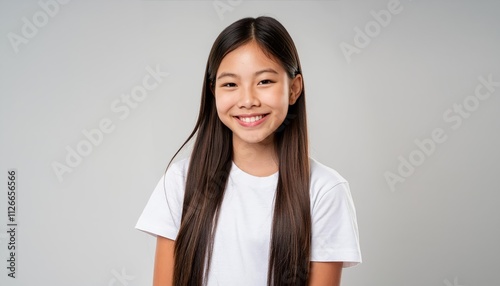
x: 252, y: 94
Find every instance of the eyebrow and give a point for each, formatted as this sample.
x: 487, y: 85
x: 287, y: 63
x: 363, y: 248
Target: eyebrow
x: 224, y: 74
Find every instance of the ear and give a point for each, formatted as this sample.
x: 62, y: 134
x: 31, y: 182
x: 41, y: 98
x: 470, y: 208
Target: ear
x: 211, y: 86
x: 295, y: 89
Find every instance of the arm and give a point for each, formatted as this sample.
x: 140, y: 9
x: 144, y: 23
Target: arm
x: 164, y: 262
x: 325, y: 273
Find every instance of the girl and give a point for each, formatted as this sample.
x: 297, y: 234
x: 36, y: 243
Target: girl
x: 249, y: 207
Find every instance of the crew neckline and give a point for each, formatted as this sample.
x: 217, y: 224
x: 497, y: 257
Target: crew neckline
x: 251, y: 178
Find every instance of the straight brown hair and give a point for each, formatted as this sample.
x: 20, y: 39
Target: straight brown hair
x: 211, y: 160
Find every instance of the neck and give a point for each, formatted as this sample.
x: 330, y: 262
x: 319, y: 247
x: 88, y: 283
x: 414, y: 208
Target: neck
x: 257, y: 159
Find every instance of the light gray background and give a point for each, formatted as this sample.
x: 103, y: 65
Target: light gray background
x: 438, y: 227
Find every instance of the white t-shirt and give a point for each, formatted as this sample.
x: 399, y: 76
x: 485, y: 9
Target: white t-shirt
x: 242, y: 238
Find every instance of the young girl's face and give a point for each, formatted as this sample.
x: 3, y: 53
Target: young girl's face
x: 252, y: 94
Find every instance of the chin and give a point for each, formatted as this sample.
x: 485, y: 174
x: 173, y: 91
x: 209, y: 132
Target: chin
x: 255, y: 139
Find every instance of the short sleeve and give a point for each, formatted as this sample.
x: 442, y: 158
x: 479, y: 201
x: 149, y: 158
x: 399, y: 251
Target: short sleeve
x: 334, y: 227
x: 162, y: 214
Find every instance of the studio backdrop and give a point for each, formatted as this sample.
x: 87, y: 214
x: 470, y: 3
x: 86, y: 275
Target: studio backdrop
x: 403, y: 100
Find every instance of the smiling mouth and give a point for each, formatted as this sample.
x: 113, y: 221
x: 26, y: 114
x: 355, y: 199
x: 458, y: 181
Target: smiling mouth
x: 250, y: 119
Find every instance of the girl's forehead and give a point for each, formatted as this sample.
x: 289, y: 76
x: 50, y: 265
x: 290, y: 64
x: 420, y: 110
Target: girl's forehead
x: 247, y: 56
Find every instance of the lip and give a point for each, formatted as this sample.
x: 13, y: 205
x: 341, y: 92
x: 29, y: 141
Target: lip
x: 251, y: 124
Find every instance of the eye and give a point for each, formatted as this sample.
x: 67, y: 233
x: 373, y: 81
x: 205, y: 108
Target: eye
x: 228, y: 84
x: 265, y: 81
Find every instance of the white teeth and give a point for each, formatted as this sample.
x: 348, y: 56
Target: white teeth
x: 251, y: 119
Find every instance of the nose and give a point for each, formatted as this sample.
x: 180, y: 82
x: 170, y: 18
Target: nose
x: 248, y: 98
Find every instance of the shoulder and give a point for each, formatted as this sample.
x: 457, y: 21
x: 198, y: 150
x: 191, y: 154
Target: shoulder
x: 335, y: 234
x: 179, y: 167
x: 176, y: 174
x: 327, y: 186
x: 324, y: 177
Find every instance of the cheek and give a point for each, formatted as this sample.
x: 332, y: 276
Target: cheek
x: 220, y: 103
x: 278, y: 99
x: 223, y: 104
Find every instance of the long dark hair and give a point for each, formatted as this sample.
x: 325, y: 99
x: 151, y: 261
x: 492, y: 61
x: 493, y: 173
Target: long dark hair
x: 211, y: 161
